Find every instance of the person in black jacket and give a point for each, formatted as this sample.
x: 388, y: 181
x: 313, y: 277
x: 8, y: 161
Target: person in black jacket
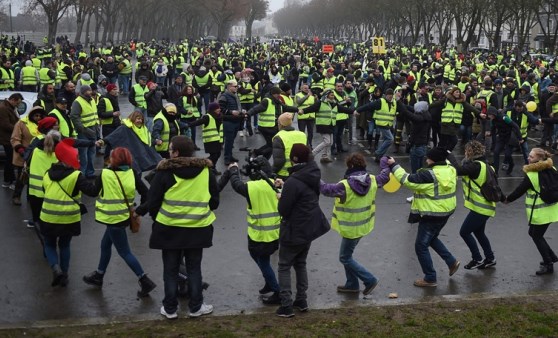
x: 302, y: 221
x: 179, y: 239
x: 419, y: 135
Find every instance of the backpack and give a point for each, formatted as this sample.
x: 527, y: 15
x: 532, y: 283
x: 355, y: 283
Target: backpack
x: 159, y: 69
x: 490, y: 189
x: 548, y: 183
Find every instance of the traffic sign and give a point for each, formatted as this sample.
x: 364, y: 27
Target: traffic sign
x: 378, y: 45
x: 327, y: 49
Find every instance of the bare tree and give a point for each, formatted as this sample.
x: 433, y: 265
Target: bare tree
x: 257, y: 10
x: 54, y: 10
x: 547, y: 18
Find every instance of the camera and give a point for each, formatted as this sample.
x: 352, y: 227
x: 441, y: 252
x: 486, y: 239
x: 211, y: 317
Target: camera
x: 257, y: 168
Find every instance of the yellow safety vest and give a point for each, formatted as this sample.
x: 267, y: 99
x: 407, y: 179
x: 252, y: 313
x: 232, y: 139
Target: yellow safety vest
x: 8, y: 78
x: 63, y: 126
x: 326, y: 116
x: 142, y: 133
x: 267, y: 118
x: 186, y: 203
x: 523, y: 124
x: 355, y: 217
x: 538, y: 212
x: 109, y: 108
x: 247, y: 98
x: 110, y: 207
x: 210, y: 132
x: 386, y: 115
x: 432, y: 199
x: 288, y: 100
x: 474, y: 200
x: 28, y: 76
x: 165, y: 133
x: 289, y: 139
x: 40, y: 164
x: 262, y: 213
x: 202, y: 81
x: 191, y: 109
x: 140, y: 95
x: 88, y: 112
x: 452, y: 112
x: 58, y: 207
x: 309, y: 102
x: 329, y: 83
x: 127, y: 70
x: 43, y: 76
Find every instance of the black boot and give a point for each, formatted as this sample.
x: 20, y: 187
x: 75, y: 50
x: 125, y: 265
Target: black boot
x: 147, y: 286
x: 57, y: 275
x: 274, y: 299
x: 545, y: 269
x: 94, y: 278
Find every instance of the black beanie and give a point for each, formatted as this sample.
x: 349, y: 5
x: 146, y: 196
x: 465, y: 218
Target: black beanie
x: 437, y: 154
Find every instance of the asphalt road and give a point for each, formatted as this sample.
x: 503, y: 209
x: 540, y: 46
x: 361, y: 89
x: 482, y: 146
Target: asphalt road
x: 27, y: 298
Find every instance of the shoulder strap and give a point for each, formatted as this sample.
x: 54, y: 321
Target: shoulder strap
x: 122, y: 188
x: 70, y: 196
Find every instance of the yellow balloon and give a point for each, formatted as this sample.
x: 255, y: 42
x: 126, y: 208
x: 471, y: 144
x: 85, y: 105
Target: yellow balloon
x: 392, y: 185
x: 531, y: 106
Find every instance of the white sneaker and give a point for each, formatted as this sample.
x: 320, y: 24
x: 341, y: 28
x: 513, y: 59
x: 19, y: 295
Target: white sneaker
x: 241, y: 133
x: 204, y: 310
x: 410, y: 199
x: 168, y: 315
x: 7, y: 184
x: 12, y: 186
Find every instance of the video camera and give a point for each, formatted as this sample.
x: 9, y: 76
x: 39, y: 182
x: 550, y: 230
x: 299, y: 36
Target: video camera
x: 258, y: 168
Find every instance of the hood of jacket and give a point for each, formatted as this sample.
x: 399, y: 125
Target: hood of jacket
x: 450, y: 97
x: 308, y: 173
x: 59, y: 171
x: 444, y: 182
x: 184, y: 167
x: 359, y: 181
x: 538, y: 166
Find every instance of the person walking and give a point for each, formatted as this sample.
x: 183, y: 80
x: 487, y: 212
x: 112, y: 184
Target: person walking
x: 474, y: 172
x: 539, y: 214
x: 212, y: 132
x: 302, y: 221
x: 438, y: 182
x: 61, y: 210
x: 8, y: 118
x: 115, y: 186
x: 353, y: 217
x: 84, y: 117
x: 283, y: 142
x: 181, y: 198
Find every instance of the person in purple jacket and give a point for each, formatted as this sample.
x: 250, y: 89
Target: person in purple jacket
x: 353, y: 216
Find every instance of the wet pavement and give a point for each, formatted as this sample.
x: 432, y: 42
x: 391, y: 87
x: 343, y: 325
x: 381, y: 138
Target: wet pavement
x: 27, y: 298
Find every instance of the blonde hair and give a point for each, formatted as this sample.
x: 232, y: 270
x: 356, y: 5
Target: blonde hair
x: 50, y: 141
x: 541, y: 154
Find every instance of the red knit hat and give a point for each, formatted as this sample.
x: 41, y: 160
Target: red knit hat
x: 66, y: 153
x: 46, y: 124
x: 111, y: 86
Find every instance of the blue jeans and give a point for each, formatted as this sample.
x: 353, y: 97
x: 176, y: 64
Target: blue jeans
x: 171, y: 265
x: 112, y: 79
x: 149, y: 122
x: 427, y: 236
x: 267, y: 271
x: 124, y: 83
x: 353, y: 270
x: 417, y: 157
x: 466, y: 133
x: 206, y: 96
x: 52, y: 253
x: 86, y: 157
x: 117, y: 236
x: 475, y: 223
x: 230, y: 129
x: 387, y: 140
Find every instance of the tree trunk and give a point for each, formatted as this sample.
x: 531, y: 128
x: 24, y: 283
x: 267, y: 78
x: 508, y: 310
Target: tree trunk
x: 87, y: 26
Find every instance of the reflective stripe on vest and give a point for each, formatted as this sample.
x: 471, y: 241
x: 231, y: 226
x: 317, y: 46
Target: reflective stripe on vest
x: 63, y: 126
x: 28, y: 76
x: 247, y: 98
x: 140, y: 95
x: 88, y: 112
x: 165, y: 133
x: 523, y: 124
x: 210, y: 132
x: 202, y: 81
x: 432, y: 199
x: 329, y: 83
x: 267, y: 118
x: 355, y: 217
x: 287, y: 100
x: 452, y: 112
x: 40, y: 164
x: 108, y: 108
x: 7, y: 78
x: 537, y: 211
x: 186, y: 203
x: 191, y: 109
x: 110, y: 207
x: 263, y: 217
x: 474, y: 200
x: 43, y: 76
x: 326, y: 115
x: 289, y: 139
x: 386, y: 115
x: 310, y: 100
x: 58, y: 207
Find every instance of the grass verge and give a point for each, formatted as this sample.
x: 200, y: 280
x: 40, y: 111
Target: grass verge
x: 533, y: 316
